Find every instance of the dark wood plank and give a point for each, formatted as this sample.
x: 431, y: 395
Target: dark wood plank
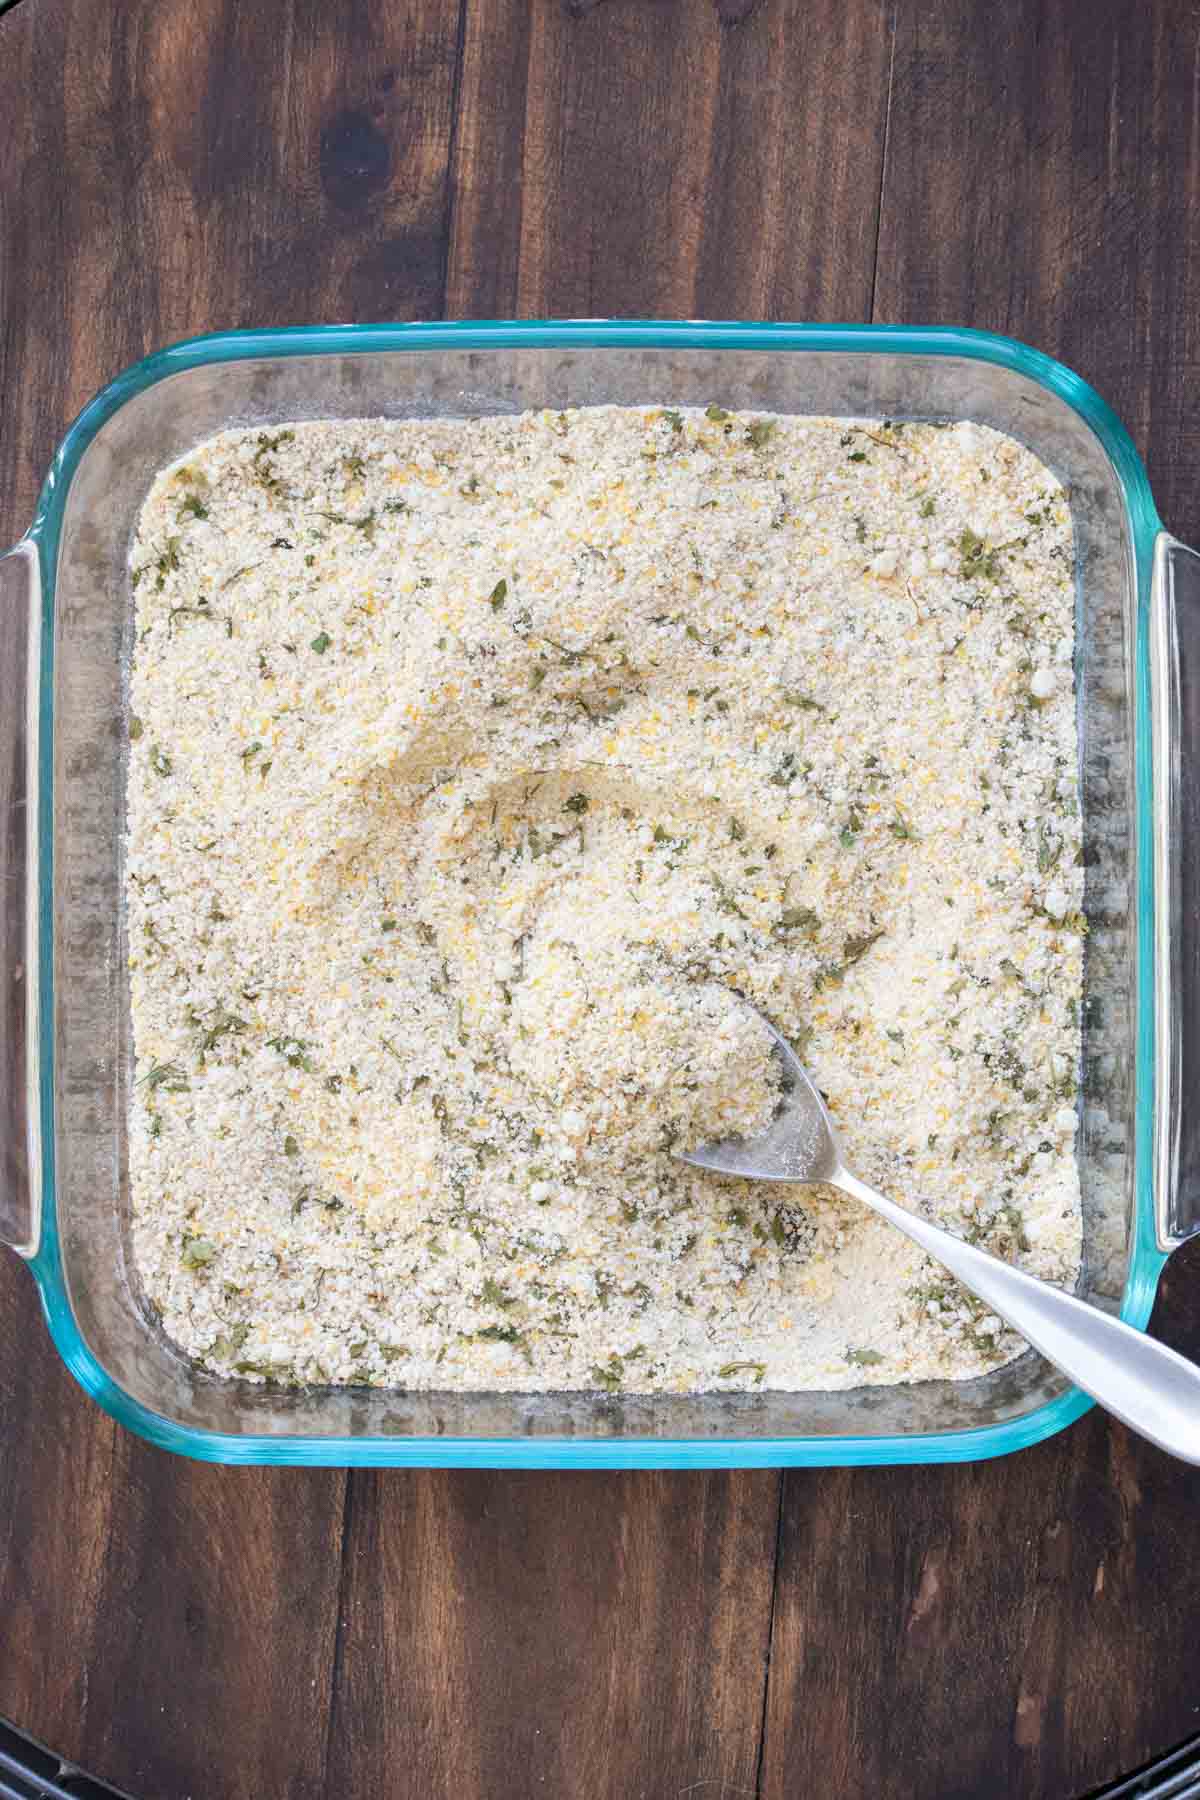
x: 602, y: 126
x: 189, y: 167
x: 1042, y: 178
x: 209, y: 1663
x: 590, y: 1636
x: 652, y: 161
x: 173, y: 167
x: 154, y: 1627
x: 792, y: 212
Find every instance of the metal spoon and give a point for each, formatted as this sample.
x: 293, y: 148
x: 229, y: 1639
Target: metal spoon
x: 1149, y: 1387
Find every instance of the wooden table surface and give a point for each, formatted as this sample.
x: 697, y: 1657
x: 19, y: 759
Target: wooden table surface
x: 1018, y: 1628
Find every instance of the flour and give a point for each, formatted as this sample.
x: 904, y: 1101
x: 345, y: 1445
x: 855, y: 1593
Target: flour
x: 478, y: 769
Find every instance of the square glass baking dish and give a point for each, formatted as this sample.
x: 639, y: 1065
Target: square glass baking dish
x: 65, y: 1051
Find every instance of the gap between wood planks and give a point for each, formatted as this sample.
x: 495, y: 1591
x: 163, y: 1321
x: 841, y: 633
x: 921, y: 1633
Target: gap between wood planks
x: 339, y: 1622
x: 450, y: 188
x: 887, y: 132
x: 766, y: 1681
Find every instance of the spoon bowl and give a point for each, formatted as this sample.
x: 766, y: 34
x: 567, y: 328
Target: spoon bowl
x: 800, y: 1143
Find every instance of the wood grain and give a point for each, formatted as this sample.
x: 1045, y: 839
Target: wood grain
x: 171, y: 166
x: 589, y: 1636
x: 1014, y: 1643
x: 180, y: 168
x: 155, y: 1629
x: 654, y: 161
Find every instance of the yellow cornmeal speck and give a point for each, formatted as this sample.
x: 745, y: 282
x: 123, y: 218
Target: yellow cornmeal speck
x: 501, y: 757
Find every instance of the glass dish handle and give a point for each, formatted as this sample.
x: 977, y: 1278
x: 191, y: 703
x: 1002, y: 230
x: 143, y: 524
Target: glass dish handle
x: 1175, y: 700
x: 20, y: 614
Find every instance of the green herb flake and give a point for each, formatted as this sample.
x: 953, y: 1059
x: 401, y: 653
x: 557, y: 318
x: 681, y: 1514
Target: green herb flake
x: 725, y: 900
x: 223, y: 1023
x: 1048, y: 852
x: 928, y: 507
x: 800, y: 918
x: 135, y: 728
x: 266, y: 445
x: 290, y: 1146
x: 978, y: 563
x: 226, y: 1347
x: 498, y: 595
x: 197, y: 1253
x: 610, y: 1374
x: 167, y: 562
x: 674, y: 420
x: 864, y: 1359
x: 493, y: 1294
x: 857, y: 456
x: 194, y: 506
x: 160, y: 762
x: 855, y: 948
x: 168, y: 1076
x: 760, y: 433
x: 577, y: 803
x: 717, y: 414
x: 728, y: 1370
x: 321, y: 643
x: 806, y: 703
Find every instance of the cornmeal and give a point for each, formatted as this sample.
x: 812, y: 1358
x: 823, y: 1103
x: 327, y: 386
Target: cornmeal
x: 479, y: 769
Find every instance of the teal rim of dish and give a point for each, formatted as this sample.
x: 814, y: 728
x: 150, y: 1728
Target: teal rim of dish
x: 1146, y: 1260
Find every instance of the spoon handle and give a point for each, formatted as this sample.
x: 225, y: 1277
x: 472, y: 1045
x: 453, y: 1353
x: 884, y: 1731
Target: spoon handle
x: 1148, y: 1386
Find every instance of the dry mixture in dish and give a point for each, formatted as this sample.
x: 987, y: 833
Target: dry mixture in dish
x: 476, y: 767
